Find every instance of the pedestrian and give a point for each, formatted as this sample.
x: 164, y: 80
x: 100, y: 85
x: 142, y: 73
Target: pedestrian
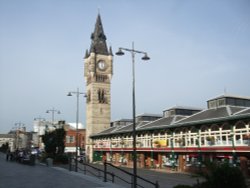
x: 20, y: 156
x: 7, y: 154
x: 11, y: 156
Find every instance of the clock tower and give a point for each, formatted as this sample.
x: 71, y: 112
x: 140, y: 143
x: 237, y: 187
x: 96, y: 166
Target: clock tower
x: 98, y: 70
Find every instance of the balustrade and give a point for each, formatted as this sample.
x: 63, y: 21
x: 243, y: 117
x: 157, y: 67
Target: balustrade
x: 206, y: 138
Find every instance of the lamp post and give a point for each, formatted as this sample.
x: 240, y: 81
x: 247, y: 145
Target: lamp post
x: 145, y: 57
x: 172, y: 152
x: 77, y: 93
x: 53, y: 111
x: 39, y: 119
x: 233, y: 146
x: 198, y: 139
x: 111, y: 154
x: 152, y: 154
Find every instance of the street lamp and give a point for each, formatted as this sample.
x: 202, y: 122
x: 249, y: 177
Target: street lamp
x: 77, y: 93
x: 152, y: 154
x: 233, y: 147
x: 145, y: 57
x: 172, y: 151
x: 198, y: 139
x: 53, y: 111
x: 39, y: 119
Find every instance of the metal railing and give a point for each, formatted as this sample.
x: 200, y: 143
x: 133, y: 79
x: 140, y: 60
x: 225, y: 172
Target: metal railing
x: 106, y: 175
x: 92, y: 170
x: 156, y: 184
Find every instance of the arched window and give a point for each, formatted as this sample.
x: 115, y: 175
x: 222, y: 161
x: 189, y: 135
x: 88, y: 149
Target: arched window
x: 225, y: 134
x: 177, y: 137
x: 204, y: 128
x: 101, y: 96
x: 89, y: 96
x: 185, y: 136
x: 242, y: 135
x: 215, y: 134
x: 204, y: 133
x: 215, y: 127
x: 240, y: 125
x: 193, y: 137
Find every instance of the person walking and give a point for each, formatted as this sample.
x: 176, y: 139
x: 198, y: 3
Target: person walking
x: 7, y: 154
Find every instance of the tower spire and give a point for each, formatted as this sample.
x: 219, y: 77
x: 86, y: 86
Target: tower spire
x: 98, y: 44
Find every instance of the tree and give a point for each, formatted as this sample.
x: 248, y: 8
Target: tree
x: 4, y: 147
x: 54, y: 142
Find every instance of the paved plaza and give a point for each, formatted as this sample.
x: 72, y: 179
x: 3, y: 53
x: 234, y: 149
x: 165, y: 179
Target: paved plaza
x: 166, y: 179
x: 16, y: 175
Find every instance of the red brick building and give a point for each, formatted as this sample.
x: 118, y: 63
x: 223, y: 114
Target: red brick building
x: 71, y: 138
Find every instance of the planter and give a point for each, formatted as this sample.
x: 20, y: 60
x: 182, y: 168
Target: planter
x: 210, y: 138
x: 246, y: 137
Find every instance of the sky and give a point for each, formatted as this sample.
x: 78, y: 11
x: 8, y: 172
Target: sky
x: 198, y: 50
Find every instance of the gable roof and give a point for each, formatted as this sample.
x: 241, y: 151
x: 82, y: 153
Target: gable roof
x: 214, y: 113
x: 206, y: 116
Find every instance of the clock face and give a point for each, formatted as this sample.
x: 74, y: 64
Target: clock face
x: 101, y: 65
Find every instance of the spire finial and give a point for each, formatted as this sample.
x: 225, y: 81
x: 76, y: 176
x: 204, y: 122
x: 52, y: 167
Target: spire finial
x: 98, y: 38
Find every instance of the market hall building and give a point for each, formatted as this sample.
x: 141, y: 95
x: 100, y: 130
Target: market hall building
x: 183, y: 138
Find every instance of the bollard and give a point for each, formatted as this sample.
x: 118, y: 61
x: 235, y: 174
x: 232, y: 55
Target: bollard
x: 157, y: 184
x: 132, y: 182
x: 113, y: 177
x: 76, y: 166
x: 70, y: 164
x: 49, y: 162
x: 105, y: 171
x: 32, y: 159
x: 99, y: 173
x: 84, y: 167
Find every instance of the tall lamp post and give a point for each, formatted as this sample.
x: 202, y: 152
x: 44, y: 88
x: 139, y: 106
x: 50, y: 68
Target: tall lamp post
x: 233, y: 147
x: 198, y: 140
x: 145, y: 57
x: 77, y: 93
x: 53, y: 111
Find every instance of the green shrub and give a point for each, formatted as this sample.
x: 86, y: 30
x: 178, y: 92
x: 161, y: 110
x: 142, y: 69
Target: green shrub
x: 224, y: 176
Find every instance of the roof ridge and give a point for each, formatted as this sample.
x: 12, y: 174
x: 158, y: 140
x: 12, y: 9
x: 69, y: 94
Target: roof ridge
x: 173, y: 120
x: 229, y: 111
x: 244, y: 109
x: 152, y: 122
x: 121, y: 127
x: 192, y: 115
